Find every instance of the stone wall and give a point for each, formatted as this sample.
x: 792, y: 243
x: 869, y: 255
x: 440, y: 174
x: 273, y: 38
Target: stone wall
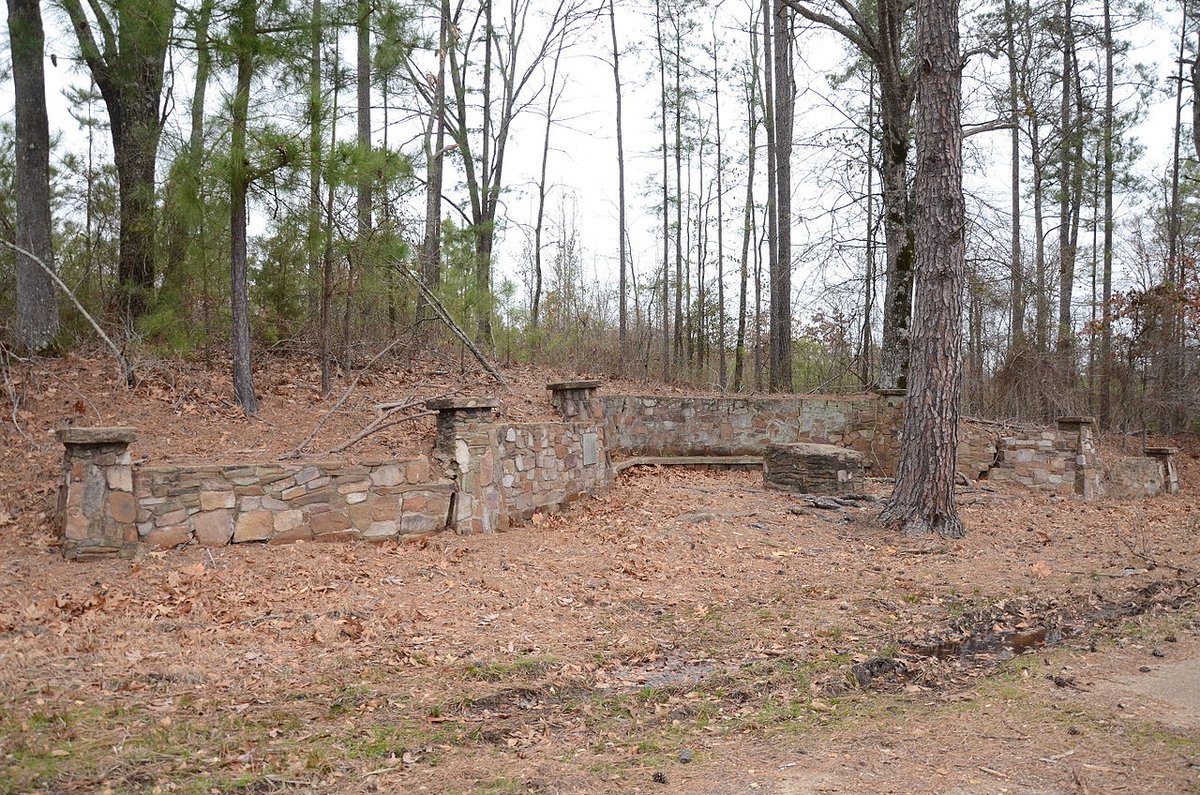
x: 485, y: 475
x: 1133, y: 478
x: 320, y: 501
x: 1064, y: 460
x: 683, y: 425
x: 507, y: 472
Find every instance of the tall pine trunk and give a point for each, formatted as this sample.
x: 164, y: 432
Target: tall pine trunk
x: 923, y: 499
x: 37, y: 309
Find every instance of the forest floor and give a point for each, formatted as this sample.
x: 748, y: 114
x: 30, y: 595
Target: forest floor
x: 686, y: 632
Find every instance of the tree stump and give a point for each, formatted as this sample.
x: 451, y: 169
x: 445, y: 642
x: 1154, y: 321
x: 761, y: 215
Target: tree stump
x: 813, y: 469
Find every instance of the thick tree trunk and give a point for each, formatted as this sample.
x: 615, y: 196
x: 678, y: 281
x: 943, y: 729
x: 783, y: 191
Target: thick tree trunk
x: 129, y: 73
x: 37, y: 309
x: 923, y: 499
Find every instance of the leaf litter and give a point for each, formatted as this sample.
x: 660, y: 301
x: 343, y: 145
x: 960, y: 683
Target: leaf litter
x: 684, y: 615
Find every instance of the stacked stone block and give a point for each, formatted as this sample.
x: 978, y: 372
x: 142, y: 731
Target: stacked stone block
x: 813, y: 469
x: 323, y: 501
x: 96, y: 501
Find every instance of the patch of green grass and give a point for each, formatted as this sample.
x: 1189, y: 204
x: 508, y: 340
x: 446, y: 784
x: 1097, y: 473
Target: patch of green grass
x: 521, y: 667
x: 501, y: 785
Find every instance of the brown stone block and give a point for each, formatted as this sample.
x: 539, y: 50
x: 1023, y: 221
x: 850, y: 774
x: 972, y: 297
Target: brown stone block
x: 254, y: 526
x: 167, y: 537
x: 301, y: 533
x: 212, y: 500
x: 360, y: 515
x: 340, y: 535
x: 213, y: 528
x: 122, y: 507
x: 416, y: 470
x: 384, y: 508
x: 76, y: 526
x: 330, y: 522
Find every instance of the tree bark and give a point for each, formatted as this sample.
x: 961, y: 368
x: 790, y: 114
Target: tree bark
x: 622, y: 244
x: 127, y: 65
x: 923, y: 499
x: 37, y: 308
x: 781, y: 274
x: 244, y: 39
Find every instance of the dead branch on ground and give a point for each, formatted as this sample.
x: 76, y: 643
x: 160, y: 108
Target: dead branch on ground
x: 126, y: 370
x: 386, y: 420
x: 340, y: 402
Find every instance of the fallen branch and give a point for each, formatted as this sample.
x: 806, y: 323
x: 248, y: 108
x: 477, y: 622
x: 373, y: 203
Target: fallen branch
x: 340, y: 402
x: 126, y: 370
x: 440, y: 310
x: 1151, y: 561
x: 379, y: 425
x: 13, y: 399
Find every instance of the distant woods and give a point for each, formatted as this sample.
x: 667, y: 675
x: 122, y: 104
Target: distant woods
x: 246, y: 179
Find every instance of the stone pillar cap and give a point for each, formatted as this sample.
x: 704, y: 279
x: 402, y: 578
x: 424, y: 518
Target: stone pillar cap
x: 463, y: 403
x: 1165, y: 450
x: 559, y: 386
x: 889, y: 392
x: 1076, y: 420
x: 118, y: 434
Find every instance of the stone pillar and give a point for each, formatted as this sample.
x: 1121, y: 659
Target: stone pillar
x: 467, y: 458
x: 455, y: 413
x: 573, y: 400
x: 1165, y: 457
x: 1082, y: 434
x: 96, y: 503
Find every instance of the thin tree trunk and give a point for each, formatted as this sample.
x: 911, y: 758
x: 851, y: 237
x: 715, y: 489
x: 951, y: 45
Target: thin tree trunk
x: 721, y: 343
x: 622, y: 287
x: 435, y: 152
x: 245, y: 37
x: 772, y: 225
x: 314, y: 158
x: 739, y: 351
x: 551, y: 102
x: 1109, y: 180
x: 679, y: 324
x: 1066, y: 244
x: 1016, y: 258
x: 666, y: 203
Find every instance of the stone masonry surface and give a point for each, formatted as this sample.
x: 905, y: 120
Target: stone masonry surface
x: 486, y: 475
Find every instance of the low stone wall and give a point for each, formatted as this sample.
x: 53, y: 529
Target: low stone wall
x: 321, y: 501
x: 1133, y: 478
x: 484, y: 475
x: 682, y: 425
x: 1064, y: 460
x: 507, y: 472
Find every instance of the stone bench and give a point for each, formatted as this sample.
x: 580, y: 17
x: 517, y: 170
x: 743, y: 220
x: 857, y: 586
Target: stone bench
x: 813, y: 468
